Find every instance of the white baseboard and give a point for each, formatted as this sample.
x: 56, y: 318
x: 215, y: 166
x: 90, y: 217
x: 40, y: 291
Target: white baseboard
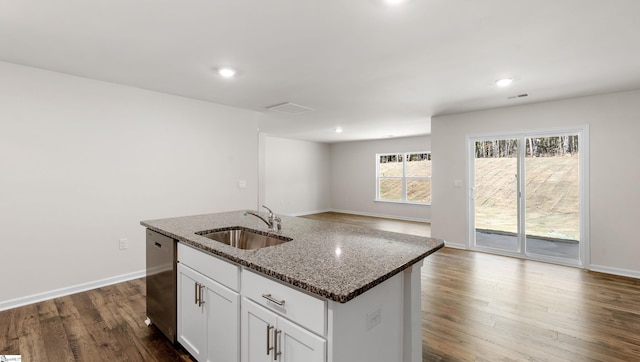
x: 35, y: 298
x: 615, y: 271
x: 455, y: 245
x: 308, y: 212
x: 396, y: 217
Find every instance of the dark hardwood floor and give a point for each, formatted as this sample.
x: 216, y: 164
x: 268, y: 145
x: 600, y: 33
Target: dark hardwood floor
x: 104, y: 324
x: 483, y: 307
x: 475, y: 307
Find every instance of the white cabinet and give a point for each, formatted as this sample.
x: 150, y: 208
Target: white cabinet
x: 191, y: 315
x: 298, y: 344
x: 208, y: 316
x: 257, y: 332
x: 301, y: 308
x: 280, y: 323
x: 227, y: 313
x: 266, y: 336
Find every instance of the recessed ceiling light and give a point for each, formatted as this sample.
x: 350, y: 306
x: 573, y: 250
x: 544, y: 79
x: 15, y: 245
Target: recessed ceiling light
x: 227, y: 72
x: 338, y: 130
x: 504, y: 82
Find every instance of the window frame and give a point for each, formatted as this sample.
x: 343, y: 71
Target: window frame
x: 404, y: 178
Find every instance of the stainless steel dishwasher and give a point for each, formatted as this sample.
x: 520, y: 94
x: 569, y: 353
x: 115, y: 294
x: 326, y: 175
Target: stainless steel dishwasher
x: 161, y: 283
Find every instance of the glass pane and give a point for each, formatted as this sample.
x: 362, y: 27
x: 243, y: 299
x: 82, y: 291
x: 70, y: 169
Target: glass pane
x: 419, y: 164
x: 552, y: 205
x: 419, y: 190
x: 390, y: 189
x: 390, y: 165
x: 496, y: 194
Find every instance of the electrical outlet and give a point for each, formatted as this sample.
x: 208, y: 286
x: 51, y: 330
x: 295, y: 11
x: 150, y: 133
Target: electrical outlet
x: 374, y: 318
x: 123, y: 244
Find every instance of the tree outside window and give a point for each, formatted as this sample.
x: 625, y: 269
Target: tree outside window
x: 404, y: 177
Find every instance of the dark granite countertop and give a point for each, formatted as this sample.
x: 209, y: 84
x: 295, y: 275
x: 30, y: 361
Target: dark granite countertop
x: 331, y: 260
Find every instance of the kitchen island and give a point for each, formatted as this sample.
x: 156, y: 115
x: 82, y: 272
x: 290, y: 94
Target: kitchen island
x: 366, y: 283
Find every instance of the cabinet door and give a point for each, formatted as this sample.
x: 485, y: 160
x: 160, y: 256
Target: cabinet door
x: 191, y: 315
x: 257, y: 330
x: 223, y: 323
x: 299, y: 345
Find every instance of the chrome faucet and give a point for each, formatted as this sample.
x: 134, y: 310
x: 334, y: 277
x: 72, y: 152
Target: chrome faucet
x: 274, y: 223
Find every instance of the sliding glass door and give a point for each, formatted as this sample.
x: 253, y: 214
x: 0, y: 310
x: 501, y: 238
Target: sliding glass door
x: 525, y: 196
x: 496, y: 194
x: 552, y: 204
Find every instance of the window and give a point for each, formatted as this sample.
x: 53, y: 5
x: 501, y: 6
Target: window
x: 404, y: 177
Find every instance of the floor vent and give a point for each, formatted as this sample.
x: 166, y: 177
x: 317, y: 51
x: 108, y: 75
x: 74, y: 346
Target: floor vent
x: 290, y: 108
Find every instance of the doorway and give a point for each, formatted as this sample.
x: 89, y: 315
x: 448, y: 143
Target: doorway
x: 527, y: 195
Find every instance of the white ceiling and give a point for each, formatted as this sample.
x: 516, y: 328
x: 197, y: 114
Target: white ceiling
x: 372, y: 69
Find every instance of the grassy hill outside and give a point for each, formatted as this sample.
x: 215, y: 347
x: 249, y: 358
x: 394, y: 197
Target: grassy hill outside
x: 552, y: 204
x: 417, y: 190
x: 552, y: 196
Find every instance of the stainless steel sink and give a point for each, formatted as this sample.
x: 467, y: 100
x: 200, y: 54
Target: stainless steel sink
x: 243, y: 238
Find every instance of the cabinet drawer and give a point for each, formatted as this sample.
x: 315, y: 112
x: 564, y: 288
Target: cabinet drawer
x: 301, y: 308
x: 211, y: 266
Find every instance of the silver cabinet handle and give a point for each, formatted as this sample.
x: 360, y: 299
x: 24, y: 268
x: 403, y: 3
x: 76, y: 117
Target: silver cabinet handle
x: 200, y: 301
x: 269, y: 348
x: 273, y: 300
x: 198, y: 291
x: 276, y: 353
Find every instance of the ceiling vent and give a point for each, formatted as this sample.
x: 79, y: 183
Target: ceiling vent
x: 518, y: 96
x: 290, y: 108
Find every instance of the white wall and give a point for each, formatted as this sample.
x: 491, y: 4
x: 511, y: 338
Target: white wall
x: 84, y: 161
x: 297, y: 176
x: 353, y: 173
x: 614, y: 127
